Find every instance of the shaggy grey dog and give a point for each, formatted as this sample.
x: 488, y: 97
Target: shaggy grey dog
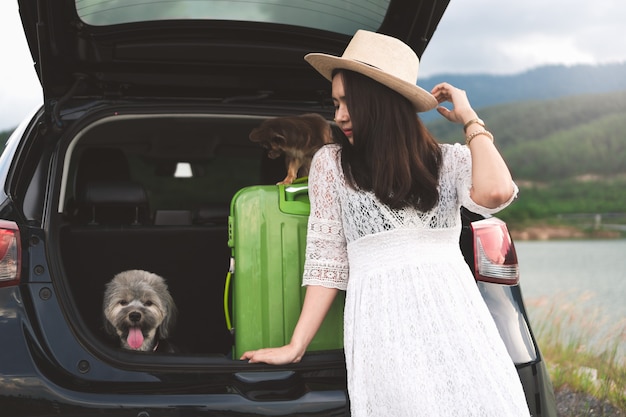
x: 139, y: 310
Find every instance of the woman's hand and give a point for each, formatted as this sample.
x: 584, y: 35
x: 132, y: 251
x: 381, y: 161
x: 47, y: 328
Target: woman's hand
x: 274, y: 356
x: 317, y: 302
x: 461, y: 109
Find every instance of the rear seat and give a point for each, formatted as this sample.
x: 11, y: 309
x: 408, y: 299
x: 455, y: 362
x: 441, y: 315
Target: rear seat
x: 114, y: 234
x: 114, y: 203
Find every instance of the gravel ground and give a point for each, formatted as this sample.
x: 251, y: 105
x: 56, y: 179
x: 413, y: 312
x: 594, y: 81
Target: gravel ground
x: 574, y: 404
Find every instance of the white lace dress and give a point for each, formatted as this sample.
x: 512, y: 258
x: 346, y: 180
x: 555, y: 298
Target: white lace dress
x: 418, y: 337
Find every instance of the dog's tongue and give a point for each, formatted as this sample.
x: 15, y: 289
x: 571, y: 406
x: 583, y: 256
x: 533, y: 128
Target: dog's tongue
x: 135, y: 338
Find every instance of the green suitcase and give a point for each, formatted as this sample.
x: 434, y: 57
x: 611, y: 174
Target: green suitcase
x: 267, y: 234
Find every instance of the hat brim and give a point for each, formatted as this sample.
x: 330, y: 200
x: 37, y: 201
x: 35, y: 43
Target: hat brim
x: 325, y: 64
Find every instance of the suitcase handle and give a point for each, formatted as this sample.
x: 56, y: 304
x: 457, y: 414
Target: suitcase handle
x: 294, y: 198
x: 231, y: 269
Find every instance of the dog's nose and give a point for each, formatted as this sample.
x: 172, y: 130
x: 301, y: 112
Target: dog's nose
x: 134, y: 316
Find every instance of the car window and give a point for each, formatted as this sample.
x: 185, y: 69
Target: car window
x: 209, y: 181
x: 341, y: 17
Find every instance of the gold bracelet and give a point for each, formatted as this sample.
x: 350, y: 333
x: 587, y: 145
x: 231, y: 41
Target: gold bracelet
x: 472, y: 135
x: 471, y: 122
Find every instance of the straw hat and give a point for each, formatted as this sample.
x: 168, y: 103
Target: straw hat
x: 382, y: 58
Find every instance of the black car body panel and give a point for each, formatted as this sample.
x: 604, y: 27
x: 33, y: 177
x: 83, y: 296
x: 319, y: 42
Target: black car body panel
x: 169, y: 92
x: 195, y: 58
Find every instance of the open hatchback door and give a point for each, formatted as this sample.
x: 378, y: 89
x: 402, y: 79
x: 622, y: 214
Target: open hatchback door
x: 204, y: 49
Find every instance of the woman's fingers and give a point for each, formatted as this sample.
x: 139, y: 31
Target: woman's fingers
x: 441, y: 92
x: 272, y: 356
x: 461, y: 109
x: 247, y: 355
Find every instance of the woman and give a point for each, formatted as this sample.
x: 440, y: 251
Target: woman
x: 384, y: 226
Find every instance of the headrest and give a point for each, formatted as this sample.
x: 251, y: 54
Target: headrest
x: 123, y: 193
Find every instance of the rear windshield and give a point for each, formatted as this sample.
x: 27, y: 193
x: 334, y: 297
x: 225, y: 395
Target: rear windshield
x: 332, y: 15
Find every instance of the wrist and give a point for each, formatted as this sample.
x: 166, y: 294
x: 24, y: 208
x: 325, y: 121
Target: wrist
x: 298, y: 350
x: 473, y: 121
x: 466, y: 114
x: 484, y: 133
x: 298, y: 346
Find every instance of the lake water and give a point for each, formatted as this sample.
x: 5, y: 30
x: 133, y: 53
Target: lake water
x: 582, y: 282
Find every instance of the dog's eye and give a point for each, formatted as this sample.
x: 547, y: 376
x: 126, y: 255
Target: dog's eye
x: 123, y: 302
x: 148, y: 303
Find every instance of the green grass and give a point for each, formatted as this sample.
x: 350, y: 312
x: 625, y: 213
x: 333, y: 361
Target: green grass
x: 563, y: 198
x: 582, y: 351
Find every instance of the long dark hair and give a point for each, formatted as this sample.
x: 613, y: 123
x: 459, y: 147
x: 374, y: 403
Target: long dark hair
x: 393, y: 154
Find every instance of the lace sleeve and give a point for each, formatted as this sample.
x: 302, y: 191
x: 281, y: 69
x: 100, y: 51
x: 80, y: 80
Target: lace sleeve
x: 462, y: 159
x: 326, y: 261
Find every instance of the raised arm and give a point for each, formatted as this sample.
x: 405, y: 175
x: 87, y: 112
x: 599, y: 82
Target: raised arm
x: 492, y: 184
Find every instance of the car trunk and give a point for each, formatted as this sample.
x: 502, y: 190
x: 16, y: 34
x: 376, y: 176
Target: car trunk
x: 152, y: 192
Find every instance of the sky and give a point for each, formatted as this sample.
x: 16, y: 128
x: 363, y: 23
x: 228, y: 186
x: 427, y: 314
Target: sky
x: 474, y: 37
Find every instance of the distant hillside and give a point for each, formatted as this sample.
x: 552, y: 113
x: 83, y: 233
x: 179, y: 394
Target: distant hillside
x: 568, y: 155
x: 541, y: 83
x: 558, y: 139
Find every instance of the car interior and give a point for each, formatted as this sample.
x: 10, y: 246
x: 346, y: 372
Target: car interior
x: 153, y: 193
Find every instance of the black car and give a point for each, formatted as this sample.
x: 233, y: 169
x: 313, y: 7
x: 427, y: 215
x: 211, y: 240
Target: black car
x: 157, y: 100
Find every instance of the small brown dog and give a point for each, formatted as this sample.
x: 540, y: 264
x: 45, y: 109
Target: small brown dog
x: 297, y: 137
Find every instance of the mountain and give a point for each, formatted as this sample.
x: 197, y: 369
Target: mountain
x: 541, y: 83
x: 567, y: 154
x: 556, y: 139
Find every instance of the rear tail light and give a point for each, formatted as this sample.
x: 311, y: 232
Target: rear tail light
x: 495, y: 259
x: 10, y: 253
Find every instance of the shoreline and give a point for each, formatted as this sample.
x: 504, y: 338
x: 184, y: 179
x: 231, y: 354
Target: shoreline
x: 546, y: 232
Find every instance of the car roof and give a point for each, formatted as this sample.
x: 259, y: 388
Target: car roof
x: 116, y: 48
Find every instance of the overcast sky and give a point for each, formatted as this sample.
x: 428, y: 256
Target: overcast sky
x: 474, y: 36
